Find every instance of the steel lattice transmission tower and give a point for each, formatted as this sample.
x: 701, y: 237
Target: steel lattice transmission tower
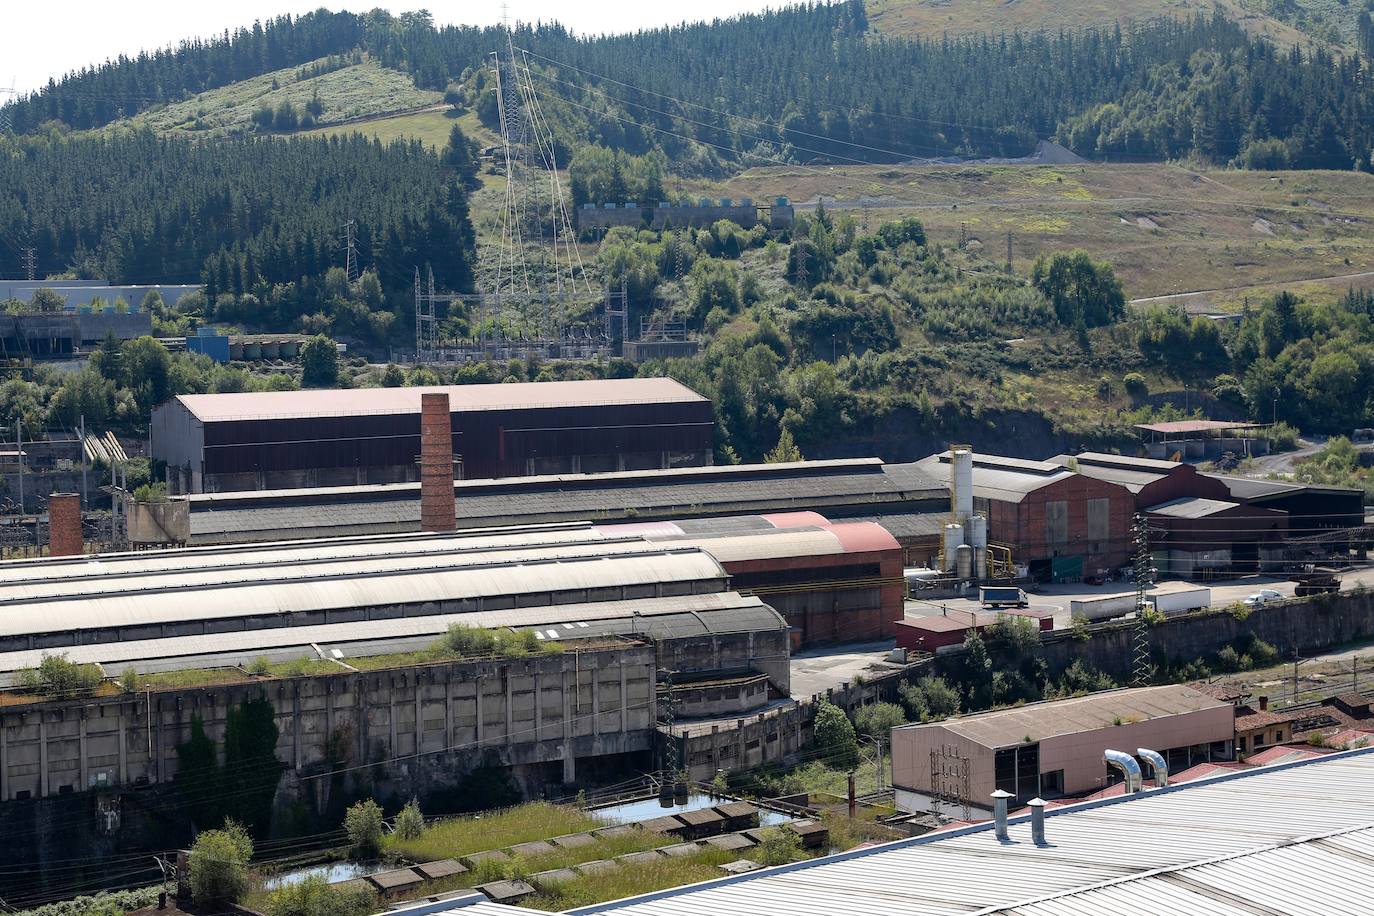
x: 350, y: 243
x: 538, y: 258
x: 1143, y: 574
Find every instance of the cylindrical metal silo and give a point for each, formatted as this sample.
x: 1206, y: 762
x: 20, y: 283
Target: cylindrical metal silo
x: 964, y: 567
x: 961, y: 485
x: 976, y: 529
x: 954, y: 536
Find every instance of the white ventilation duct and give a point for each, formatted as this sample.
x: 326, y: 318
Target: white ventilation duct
x: 1130, y: 769
x: 1037, y: 806
x: 1158, y: 765
x: 999, y: 813
x: 961, y: 483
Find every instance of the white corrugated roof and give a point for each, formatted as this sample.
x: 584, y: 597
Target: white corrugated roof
x: 353, y: 583
x: 251, y: 643
x: 1258, y: 841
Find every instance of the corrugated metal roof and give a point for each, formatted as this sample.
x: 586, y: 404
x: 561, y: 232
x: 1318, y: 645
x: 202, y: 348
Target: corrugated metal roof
x: 717, y: 612
x: 659, y: 494
x: 1008, y: 480
x: 207, y: 596
x: 276, y: 405
x: 1005, y: 727
x: 1293, y: 839
x: 1191, y: 507
x: 275, y: 557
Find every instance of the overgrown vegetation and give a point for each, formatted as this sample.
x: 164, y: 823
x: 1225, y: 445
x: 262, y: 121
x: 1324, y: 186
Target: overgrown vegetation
x: 314, y: 896
x: 59, y: 678
x: 218, y: 865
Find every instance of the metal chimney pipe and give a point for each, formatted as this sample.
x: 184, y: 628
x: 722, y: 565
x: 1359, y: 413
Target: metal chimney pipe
x: 1158, y: 765
x: 437, y: 509
x: 999, y: 813
x: 1130, y: 770
x: 1037, y: 806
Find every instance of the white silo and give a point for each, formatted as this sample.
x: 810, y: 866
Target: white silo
x: 953, y: 537
x: 961, y: 484
x: 976, y: 529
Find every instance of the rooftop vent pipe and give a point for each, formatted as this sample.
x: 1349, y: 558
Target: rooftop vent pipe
x: 1037, y: 806
x: 1130, y: 770
x: 999, y: 812
x: 437, y: 509
x: 1158, y: 765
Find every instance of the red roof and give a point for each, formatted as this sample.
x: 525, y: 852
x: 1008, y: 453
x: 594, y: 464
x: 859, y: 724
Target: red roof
x: 864, y: 537
x: 796, y: 520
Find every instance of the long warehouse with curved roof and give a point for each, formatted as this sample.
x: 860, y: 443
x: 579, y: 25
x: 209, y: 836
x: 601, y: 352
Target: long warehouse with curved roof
x: 225, y: 606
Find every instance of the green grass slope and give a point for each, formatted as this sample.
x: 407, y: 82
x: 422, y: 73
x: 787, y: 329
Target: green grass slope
x: 960, y: 17
x: 358, y: 91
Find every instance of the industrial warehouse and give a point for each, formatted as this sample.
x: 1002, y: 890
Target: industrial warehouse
x: 276, y: 440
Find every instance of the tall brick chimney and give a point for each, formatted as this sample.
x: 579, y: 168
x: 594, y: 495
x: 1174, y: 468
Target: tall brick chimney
x: 437, y: 509
x: 64, y: 525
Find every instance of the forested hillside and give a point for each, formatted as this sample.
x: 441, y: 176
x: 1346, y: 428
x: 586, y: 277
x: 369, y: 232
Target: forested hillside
x: 256, y: 218
x: 815, y: 82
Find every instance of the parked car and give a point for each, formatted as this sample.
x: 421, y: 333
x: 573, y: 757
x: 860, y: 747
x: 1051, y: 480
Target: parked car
x: 1262, y: 597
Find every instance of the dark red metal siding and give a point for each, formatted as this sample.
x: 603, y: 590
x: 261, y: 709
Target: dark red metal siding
x: 491, y: 443
x: 1183, y: 483
x: 1076, y: 491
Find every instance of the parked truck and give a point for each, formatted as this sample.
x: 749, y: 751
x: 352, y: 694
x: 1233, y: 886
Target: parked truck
x: 995, y: 596
x: 1103, y: 607
x: 1181, y: 600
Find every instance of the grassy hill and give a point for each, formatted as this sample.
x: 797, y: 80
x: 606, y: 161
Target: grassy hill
x: 958, y: 17
x: 1168, y: 229
x: 355, y: 91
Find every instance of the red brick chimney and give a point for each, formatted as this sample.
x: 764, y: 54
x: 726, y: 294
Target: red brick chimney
x: 1264, y: 704
x: 64, y: 525
x: 437, y: 509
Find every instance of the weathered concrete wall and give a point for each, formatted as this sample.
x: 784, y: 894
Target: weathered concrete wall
x: 764, y: 651
x: 452, y: 715
x: 1305, y: 624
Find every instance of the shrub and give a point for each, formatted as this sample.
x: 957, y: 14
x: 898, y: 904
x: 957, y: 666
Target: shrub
x: 878, y: 719
x: 128, y: 680
x: 1135, y: 386
x: 834, y: 737
x: 316, y: 897
x: 778, y: 847
x: 410, y: 823
x: 151, y: 493
x: 1282, y: 437
x: 219, y: 865
x: 363, y: 824
x: 58, y: 677
x: 467, y: 641
x: 1228, y: 659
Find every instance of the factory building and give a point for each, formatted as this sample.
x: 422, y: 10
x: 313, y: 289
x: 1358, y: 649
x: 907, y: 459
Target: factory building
x: 288, y: 439
x: 833, y: 583
x: 215, y: 607
x: 1210, y: 524
x: 1055, y: 748
x: 1058, y: 525
x: 902, y: 499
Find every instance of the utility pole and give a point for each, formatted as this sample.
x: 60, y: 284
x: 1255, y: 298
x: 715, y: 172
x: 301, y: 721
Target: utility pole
x: 84, y: 499
x: 30, y: 262
x: 19, y: 450
x: 1008, y: 252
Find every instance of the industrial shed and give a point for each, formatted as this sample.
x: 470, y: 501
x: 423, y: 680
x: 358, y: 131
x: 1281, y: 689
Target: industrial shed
x: 1060, y: 525
x: 833, y: 583
x: 863, y: 487
x: 1153, y: 481
x: 1192, y: 537
x: 288, y: 439
x: 382, y: 594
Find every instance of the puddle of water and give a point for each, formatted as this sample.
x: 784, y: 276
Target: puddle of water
x: 330, y: 871
x: 648, y: 808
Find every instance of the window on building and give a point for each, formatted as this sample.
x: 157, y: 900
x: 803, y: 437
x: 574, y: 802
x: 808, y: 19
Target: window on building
x: 1240, y: 743
x: 1052, y: 783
